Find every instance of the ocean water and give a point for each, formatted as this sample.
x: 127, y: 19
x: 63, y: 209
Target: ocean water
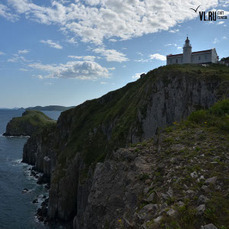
x: 16, y: 208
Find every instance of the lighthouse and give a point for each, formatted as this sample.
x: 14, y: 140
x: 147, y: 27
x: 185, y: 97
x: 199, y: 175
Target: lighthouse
x: 187, y: 52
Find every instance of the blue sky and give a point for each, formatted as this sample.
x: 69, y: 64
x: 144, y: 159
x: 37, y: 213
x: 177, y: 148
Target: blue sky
x: 65, y: 52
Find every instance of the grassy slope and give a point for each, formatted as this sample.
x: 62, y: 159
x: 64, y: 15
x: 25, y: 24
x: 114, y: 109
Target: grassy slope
x: 197, y: 146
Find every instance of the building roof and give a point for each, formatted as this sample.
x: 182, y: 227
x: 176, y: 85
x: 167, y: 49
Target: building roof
x: 171, y: 55
x: 198, y: 52
x: 204, y: 51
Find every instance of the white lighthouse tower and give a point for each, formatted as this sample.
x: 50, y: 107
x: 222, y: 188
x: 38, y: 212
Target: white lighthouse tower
x: 187, y: 52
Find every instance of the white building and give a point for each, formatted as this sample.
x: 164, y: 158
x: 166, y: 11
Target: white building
x: 189, y: 57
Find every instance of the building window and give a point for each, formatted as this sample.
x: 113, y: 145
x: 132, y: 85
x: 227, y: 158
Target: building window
x: 206, y: 56
x: 199, y: 57
x: 176, y: 61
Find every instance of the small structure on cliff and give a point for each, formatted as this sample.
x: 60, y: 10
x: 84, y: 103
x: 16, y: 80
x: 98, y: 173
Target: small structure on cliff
x: 189, y: 57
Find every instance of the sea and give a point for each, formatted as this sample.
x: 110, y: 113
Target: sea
x: 17, y: 210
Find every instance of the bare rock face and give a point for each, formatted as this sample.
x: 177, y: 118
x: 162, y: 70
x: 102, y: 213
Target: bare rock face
x: 173, y: 98
x: 118, y: 179
x: 39, y: 151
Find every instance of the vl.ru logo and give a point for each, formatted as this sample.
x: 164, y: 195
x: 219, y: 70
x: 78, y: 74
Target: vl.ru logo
x: 210, y: 15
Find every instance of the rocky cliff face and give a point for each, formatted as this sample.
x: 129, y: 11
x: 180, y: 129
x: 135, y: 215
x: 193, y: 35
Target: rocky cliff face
x: 90, y: 133
x: 39, y: 151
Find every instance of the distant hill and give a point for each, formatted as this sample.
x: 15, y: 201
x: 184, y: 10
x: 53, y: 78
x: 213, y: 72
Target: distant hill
x: 30, y: 122
x: 49, y: 108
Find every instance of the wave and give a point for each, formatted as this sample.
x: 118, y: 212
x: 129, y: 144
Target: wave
x: 21, y: 136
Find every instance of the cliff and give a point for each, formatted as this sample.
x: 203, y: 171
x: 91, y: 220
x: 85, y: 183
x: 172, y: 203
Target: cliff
x: 178, y: 179
x: 91, y: 133
x: 30, y: 123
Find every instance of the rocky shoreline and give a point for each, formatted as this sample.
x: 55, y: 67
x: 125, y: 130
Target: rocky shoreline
x: 42, y: 211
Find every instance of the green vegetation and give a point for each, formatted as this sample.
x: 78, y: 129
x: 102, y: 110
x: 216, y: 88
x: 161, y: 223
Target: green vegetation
x: 30, y: 123
x: 217, y: 116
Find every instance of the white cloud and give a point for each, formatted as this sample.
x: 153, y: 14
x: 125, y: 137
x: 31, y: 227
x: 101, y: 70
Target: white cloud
x: 136, y: 76
x: 93, y: 20
x: 23, y: 69
x: 157, y: 56
x: 224, y: 38
x: 224, y: 3
x: 5, y: 12
x: 17, y: 58
x: 112, y: 40
x: 103, y: 82
x: 86, y: 58
x: 2, y: 53
x: 111, y: 55
x: 24, y: 51
x: 174, y: 30
x: 220, y: 23
x: 85, y: 70
x: 52, y: 44
x: 216, y: 40
x: 142, y: 60
x: 71, y: 40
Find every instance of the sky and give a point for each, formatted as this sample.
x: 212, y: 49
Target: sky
x: 64, y: 52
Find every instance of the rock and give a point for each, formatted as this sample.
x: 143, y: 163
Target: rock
x: 25, y: 190
x: 170, y: 192
x: 171, y: 212
x: 180, y: 203
x: 151, y: 197
x: 211, y: 180
x: 194, y: 174
x: 200, y: 209
x: 205, y: 188
x: 149, y: 208
x: 209, y: 226
x: 165, y: 196
x: 43, y: 179
x: 158, y: 219
x: 202, y: 199
x: 148, y: 181
x: 35, y: 201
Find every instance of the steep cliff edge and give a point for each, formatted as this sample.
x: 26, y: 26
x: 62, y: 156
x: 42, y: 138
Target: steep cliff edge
x: 92, y: 131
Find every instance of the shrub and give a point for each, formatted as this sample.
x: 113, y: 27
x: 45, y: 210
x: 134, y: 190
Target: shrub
x: 200, y: 116
x: 221, y: 108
